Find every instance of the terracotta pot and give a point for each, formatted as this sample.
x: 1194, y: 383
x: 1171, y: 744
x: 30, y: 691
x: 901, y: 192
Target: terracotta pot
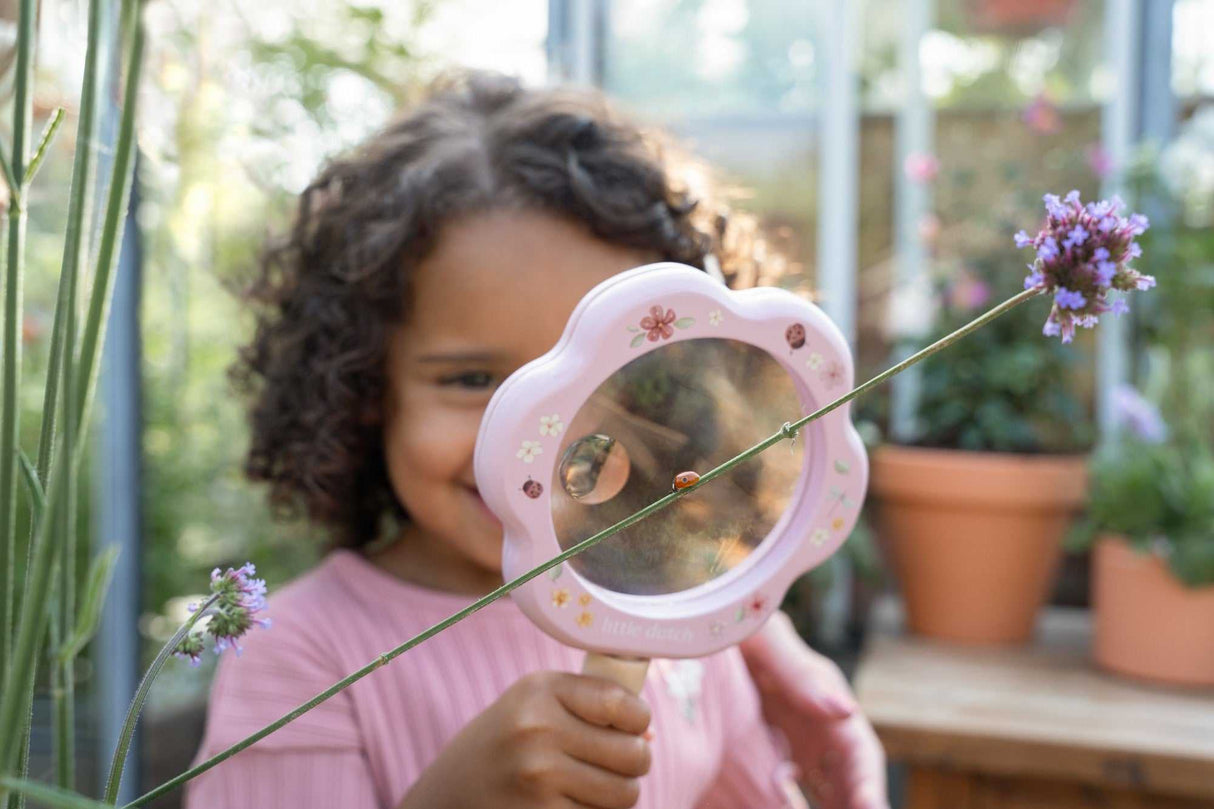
x: 1018, y: 16
x: 974, y: 538
x: 1146, y: 623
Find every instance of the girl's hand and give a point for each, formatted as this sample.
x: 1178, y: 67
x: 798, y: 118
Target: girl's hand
x: 552, y: 740
x: 806, y: 697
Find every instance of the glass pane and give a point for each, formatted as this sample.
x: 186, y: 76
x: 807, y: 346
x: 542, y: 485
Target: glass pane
x: 671, y: 58
x: 685, y: 406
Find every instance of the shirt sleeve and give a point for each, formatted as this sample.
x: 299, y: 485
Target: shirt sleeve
x: 755, y: 772
x: 285, y: 780
x: 318, y: 760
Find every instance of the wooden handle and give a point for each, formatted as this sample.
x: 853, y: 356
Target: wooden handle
x: 627, y: 671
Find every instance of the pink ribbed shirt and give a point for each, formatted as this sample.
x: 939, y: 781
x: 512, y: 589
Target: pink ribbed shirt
x: 364, y: 748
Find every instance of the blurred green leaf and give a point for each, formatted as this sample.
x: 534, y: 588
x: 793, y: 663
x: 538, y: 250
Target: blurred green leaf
x: 92, y: 601
x: 50, y: 796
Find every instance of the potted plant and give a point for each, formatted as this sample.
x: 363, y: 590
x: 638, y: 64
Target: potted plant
x: 972, y: 507
x: 1150, y: 518
x: 1151, y: 522
x: 1018, y: 16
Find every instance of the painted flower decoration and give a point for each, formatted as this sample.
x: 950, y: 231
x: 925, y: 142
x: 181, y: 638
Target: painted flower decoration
x: 585, y: 619
x: 756, y: 604
x: 237, y: 598
x: 529, y: 450
x: 818, y: 537
x: 658, y: 323
x: 1083, y: 253
x: 714, y: 317
x: 815, y: 361
x: 832, y: 374
x: 560, y: 597
x: 551, y: 425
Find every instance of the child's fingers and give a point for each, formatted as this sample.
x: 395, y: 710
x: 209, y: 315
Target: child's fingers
x: 596, y: 787
x: 618, y: 752
x: 603, y: 703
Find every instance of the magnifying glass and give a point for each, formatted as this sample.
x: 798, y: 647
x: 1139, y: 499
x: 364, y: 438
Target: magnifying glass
x: 663, y: 373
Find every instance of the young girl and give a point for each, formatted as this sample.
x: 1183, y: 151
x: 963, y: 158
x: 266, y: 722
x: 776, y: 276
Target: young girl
x: 420, y: 272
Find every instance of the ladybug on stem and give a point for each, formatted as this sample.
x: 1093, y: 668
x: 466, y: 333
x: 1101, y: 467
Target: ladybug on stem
x: 684, y: 480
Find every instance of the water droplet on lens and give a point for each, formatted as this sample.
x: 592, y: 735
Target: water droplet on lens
x: 594, y: 469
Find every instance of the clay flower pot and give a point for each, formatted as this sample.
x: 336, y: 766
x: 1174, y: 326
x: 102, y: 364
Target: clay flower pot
x: 1146, y: 623
x: 1018, y: 16
x: 974, y: 538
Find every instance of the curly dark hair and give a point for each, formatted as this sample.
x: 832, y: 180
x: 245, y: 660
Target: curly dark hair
x: 328, y: 295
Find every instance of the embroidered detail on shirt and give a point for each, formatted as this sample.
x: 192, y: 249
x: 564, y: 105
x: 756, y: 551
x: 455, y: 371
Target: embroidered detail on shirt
x: 684, y: 683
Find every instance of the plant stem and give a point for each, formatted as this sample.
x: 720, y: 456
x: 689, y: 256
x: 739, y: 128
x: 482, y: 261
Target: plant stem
x: 33, y: 620
x: 944, y: 342
x: 10, y: 376
x: 786, y: 433
x: 115, y: 216
x: 118, y: 762
x: 44, y: 143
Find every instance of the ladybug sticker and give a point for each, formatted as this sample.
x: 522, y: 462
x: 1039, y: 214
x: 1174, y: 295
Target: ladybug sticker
x: 683, y: 480
x: 533, y: 488
x: 795, y: 335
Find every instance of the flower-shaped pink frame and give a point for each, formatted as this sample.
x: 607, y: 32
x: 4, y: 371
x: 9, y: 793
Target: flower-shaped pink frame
x: 620, y: 319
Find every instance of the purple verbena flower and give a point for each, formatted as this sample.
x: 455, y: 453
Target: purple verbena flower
x: 1142, y: 417
x: 239, y: 597
x: 191, y: 648
x: 1083, y: 253
x: 1068, y: 299
x: 1076, y: 237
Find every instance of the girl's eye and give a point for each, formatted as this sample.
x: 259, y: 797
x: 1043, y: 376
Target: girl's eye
x: 470, y: 380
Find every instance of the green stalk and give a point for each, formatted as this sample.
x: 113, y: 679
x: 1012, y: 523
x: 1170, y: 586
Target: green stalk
x: 118, y: 762
x: 61, y: 720
x: 115, y: 218
x: 73, y: 257
x: 44, y: 143
x: 789, y: 431
x: 62, y: 343
x: 33, y: 621
x: 10, y: 376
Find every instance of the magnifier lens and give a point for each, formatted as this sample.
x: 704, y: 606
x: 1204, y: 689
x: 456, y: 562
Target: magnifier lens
x: 686, y: 406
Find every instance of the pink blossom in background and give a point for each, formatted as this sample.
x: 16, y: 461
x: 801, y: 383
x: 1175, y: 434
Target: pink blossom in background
x: 929, y: 228
x: 32, y: 329
x: 921, y: 167
x: 1099, y: 160
x: 1133, y: 410
x: 968, y: 293
x: 1042, y: 116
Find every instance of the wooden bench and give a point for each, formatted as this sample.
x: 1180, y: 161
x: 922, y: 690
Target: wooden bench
x: 1035, y: 727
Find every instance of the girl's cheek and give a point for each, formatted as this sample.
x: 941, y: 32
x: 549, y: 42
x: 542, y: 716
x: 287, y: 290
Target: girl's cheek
x: 444, y: 434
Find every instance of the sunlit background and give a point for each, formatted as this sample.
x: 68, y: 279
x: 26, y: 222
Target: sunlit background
x: 889, y: 147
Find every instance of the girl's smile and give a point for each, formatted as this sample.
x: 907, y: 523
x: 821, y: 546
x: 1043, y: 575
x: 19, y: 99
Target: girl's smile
x: 494, y: 294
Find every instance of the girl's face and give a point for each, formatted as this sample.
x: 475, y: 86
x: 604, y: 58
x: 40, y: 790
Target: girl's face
x: 493, y: 295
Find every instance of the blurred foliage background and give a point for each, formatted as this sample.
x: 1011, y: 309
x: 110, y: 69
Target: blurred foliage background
x: 244, y: 101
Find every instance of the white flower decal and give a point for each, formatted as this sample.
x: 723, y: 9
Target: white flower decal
x: 529, y: 450
x: 714, y: 317
x: 815, y: 361
x: 551, y: 425
x: 818, y: 537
